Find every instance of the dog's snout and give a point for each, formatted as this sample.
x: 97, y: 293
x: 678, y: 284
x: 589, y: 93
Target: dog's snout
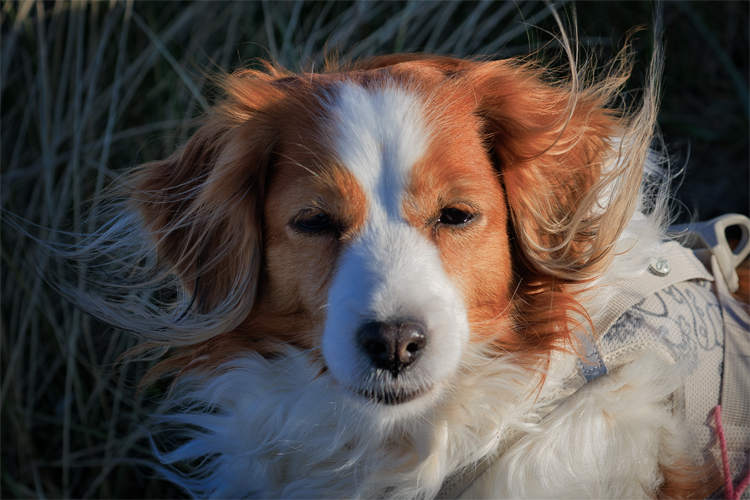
x: 392, y: 346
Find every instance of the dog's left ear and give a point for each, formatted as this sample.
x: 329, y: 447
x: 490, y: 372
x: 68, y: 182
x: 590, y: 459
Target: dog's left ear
x: 571, y: 167
x: 557, y: 149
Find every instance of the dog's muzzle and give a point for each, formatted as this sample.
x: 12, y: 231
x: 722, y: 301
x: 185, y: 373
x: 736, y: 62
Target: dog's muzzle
x: 395, y: 322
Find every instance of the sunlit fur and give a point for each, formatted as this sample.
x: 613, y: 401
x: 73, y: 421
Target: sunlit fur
x: 205, y: 257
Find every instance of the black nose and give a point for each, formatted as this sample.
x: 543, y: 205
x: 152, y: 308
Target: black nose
x: 392, y: 346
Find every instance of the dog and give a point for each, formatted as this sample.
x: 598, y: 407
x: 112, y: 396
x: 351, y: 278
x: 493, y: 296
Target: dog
x: 388, y: 279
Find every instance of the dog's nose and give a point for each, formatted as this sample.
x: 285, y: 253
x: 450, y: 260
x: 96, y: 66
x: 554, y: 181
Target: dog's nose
x: 392, y: 346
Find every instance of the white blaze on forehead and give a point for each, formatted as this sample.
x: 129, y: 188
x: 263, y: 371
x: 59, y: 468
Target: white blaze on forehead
x: 390, y: 272
x: 378, y: 134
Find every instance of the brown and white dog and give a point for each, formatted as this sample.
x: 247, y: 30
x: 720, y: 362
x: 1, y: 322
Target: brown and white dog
x: 379, y: 270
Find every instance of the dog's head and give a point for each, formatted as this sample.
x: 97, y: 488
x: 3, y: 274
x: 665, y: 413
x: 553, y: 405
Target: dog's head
x: 388, y: 215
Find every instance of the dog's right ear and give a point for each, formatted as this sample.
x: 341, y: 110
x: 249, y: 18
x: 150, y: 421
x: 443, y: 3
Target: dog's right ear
x: 202, y: 205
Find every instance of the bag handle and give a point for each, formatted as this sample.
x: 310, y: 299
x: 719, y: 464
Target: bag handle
x: 710, y: 234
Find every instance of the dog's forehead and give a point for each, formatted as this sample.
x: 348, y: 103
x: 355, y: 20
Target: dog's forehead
x: 378, y: 134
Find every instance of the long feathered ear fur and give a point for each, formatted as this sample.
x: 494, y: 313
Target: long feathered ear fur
x: 201, y: 206
x: 177, y: 257
x: 571, y: 167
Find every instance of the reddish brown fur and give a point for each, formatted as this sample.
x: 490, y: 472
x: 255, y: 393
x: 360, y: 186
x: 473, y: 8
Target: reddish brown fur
x: 458, y: 173
x: 688, y: 481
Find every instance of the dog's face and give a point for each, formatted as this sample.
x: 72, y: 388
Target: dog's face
x: 389, y: 240
x: 384, y: 218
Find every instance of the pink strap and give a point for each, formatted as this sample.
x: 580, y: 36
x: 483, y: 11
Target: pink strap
x: 729, y: 490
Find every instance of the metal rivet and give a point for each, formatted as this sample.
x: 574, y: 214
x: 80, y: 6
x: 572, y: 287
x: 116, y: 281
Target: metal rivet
x: 659, y: 266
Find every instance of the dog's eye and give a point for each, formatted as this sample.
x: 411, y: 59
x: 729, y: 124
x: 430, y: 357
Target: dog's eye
x: 318, y: 223
x: 455, y: 216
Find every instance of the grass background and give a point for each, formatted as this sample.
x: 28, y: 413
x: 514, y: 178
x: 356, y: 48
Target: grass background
x: 90, y: 89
